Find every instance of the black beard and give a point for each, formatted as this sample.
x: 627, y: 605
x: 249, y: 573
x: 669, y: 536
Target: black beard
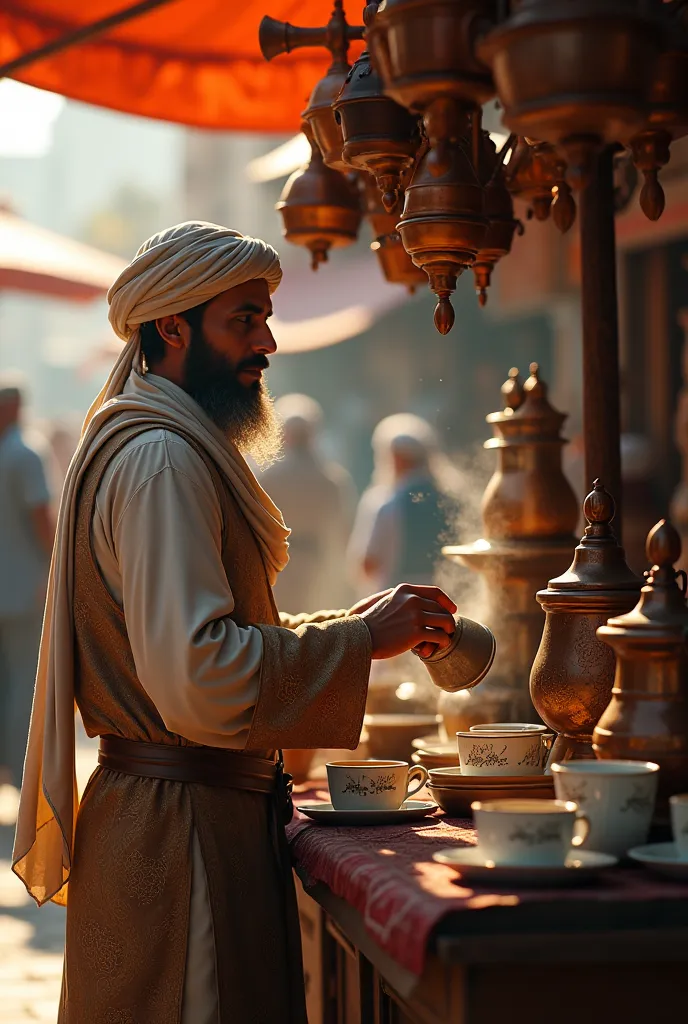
x: 244, y: 414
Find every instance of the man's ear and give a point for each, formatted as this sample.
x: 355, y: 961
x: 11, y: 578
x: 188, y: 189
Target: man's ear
x: 174, y: 330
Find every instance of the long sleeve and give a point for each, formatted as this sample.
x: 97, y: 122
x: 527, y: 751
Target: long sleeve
x: 157, y: 538
x: 306, y: 619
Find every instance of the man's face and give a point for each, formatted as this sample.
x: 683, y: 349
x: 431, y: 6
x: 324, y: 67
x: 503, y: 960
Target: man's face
x: 235, y: 327
x: 224, y: 365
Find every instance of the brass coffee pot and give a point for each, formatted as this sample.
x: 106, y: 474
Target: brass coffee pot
x: 647, y: 717
x: 466, y: 661
x: 321, y: 208
x: 572, y: 675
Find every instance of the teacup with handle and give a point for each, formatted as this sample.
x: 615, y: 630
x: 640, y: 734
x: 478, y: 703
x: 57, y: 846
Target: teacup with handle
x: 372, y: 785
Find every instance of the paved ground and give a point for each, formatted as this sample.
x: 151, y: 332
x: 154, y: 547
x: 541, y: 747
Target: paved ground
x: 31, y: 940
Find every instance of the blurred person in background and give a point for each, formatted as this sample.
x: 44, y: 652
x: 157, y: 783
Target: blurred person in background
x: 404, y: 516
x: 26, y: 540
x: 317, y: 498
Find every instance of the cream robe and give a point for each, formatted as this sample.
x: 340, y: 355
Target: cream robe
x: 157, y: 533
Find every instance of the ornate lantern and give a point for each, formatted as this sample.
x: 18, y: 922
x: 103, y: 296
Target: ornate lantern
x: 572, y: 675
x: 321, y: 208
x: 499, y: 211
x: 444, y: 225
x: 426, y: 56
x: 576, y: 73
x: 669, y: 109
x: 276, y: 37
x: 379, y: 136
x: 397, y: 265
x: 647, y: 717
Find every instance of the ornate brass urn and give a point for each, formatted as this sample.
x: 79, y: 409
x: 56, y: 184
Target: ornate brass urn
x: 276, y: 37
x: 576, y: 73
x: 379, y: 136
x: 396, y: 264
x: 444, y: 225
x: 529, y: 514
x: 320, y: 208
x: 572, y: 675
x: 425, y: 53
x: 647, y: 717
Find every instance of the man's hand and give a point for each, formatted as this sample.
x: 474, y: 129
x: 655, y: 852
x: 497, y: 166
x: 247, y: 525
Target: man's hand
x: 408, y: 617
x: 367, y: 602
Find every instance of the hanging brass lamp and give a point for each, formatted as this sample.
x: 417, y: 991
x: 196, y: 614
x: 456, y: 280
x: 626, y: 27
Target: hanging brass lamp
x: 320, y: 208
x: 396, y: 264
x: 499, y: 210
x: 276, y: 37
x: 379, y: 136
x: 576, y: 73
x: 669, y: 109
x: 443, y: 225
x: 425, y: 53
x: 537, y: 174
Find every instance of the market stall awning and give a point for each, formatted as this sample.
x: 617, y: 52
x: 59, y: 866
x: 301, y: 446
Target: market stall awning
x: 33, y: 259
x: 196, y: 62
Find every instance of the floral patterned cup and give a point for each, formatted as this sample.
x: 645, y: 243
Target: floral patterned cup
x: 533, y: 833
x: 502, y: 752
x: 617, y: 796
x: 372, y: 785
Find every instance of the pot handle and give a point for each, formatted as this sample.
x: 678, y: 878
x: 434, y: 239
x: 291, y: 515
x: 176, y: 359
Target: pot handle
x: 417, y: 772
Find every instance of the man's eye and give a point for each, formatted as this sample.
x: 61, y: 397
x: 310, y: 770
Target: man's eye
x: 244, y: 319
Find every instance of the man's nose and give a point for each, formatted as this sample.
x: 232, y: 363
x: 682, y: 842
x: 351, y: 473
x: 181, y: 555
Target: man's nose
x: 263, y: 341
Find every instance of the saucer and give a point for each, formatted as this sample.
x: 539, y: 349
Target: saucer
x: 453, y: 776
x: 456, y: 800
x: 662, y: 858
x: 469, y: 862
x: 326, y: 814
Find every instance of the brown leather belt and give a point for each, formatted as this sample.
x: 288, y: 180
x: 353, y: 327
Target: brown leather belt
x: 209, y: 766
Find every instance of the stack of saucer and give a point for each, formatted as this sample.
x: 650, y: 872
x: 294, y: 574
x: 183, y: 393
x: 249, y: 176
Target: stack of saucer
x: 432, y: 753
x: 455, y: 792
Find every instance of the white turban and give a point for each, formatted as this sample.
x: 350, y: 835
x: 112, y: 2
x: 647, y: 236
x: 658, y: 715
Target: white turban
x: 173, y: 271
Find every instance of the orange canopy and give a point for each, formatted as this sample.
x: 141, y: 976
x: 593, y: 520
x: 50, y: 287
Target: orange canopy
x: 196, y: 62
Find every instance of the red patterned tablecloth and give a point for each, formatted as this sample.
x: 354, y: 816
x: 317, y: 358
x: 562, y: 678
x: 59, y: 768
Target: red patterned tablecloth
x: 387, y: 873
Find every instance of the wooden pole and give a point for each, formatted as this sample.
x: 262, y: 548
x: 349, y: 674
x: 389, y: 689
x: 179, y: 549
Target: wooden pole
x: 601, y: 420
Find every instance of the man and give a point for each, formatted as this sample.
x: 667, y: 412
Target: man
x: 404, y: 517
x: 26, y: 540
x: 160, y: 622
x: 317, y: 499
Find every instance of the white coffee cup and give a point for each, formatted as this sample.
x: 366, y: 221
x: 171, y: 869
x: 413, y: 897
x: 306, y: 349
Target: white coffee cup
x: 678, y: 806
x: 618, y: 797
x: 502, y: 752
x: 372, y: 785
x: 536, y: 833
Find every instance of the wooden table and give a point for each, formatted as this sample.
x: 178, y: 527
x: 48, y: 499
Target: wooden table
x: 563, y: 961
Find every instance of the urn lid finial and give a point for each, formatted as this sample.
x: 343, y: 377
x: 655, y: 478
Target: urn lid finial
x: 512, y: 389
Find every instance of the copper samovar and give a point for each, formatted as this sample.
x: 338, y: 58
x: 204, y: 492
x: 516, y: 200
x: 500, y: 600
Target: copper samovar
x: 529, y: 512
x: 647, y: 717
x: 573, y: 672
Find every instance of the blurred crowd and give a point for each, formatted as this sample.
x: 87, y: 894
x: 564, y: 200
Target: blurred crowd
x: 341, y: 547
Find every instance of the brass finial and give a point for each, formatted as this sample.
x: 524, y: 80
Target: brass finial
x: 534, y: 387
x: 444, y: 314
x: 663, y: 549
x: 599, y: 509
x: 512, y: 389
x: 563, y: 206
